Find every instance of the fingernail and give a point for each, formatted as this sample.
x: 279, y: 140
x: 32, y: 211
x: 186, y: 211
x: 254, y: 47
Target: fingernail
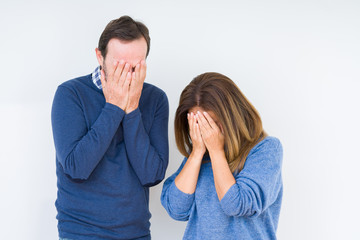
x: 121, y: 61
x: 115, y: 63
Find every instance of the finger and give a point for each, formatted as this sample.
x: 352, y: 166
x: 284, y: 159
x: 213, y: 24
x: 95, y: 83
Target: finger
x: 124, y: 74
x: 137, y: 71
x: 200, y: 124
x: 136, y: 74
x: 191, y: 129
x: 127, y: 80
x: 111, y: 70
x: 118, y: 70
x: 133, y: 79
x: 190, y: 121
x: 188, y: 118
x: 193, y: 124
x: 201, y: 132
x: 143, y: 70
x: 202, y: 121
x: 197, y: 131
x: 211, y: 122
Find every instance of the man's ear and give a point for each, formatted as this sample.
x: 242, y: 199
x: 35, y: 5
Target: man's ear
x: 99, y: 57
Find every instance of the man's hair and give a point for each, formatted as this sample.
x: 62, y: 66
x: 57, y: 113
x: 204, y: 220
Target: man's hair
x: 124, y: 29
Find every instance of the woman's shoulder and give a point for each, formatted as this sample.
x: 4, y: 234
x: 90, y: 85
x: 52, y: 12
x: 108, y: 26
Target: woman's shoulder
x: 268, y: 142
x: 267, y: 154
x: 268, y: 145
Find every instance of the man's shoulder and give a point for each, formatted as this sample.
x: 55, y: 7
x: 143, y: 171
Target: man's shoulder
x: 76, y: 83
x: 153, y: 91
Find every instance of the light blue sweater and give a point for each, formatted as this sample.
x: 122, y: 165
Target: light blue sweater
x: 249, y: 210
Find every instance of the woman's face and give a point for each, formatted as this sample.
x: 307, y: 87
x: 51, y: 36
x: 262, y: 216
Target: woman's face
x: 194, y: 110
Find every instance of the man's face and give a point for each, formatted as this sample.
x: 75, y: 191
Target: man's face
x: 131, y: 52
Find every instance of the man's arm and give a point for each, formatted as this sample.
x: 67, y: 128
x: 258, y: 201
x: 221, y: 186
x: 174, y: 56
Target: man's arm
x: 148, y: 153
x: 79, y: 149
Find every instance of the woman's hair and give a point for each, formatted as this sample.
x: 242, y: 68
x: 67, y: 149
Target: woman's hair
x: 241, y: 122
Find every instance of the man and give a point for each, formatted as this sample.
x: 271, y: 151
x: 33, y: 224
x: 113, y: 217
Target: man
x: 111, y: 138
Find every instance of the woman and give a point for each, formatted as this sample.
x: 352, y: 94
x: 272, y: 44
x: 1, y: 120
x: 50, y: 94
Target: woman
x: 229, y: 185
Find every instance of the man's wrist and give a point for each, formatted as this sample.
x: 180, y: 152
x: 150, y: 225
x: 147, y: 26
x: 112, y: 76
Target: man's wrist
x: 129, y: 110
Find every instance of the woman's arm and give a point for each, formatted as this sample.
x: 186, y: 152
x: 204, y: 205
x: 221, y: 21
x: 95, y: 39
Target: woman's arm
x: 177, y: 195
x: 223, y: 177
x: 187, y: 179
x: 177, y: 203
x: 259, y: 184
x: 214, y: 141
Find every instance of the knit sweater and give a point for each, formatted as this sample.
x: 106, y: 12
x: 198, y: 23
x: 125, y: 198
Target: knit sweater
x: 106, y: 160
x: 250, y: 208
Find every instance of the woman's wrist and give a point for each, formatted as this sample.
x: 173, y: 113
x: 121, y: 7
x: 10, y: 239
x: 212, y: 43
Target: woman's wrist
x: 197, y: 153
x: 217, y: 154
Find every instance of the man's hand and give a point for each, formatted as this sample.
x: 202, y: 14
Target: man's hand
x: 116, y: 85
x: 137, y: 82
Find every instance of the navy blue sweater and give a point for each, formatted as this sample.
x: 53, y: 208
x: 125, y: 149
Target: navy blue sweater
x: 106, y: 160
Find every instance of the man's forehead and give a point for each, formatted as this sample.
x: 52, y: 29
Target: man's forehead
x: 131, y: 60
x: 130, y: 51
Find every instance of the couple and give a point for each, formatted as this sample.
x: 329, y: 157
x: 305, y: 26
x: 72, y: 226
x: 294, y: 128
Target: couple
x: 111, y: 138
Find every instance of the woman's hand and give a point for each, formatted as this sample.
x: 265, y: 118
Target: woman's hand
x: 210, y: 132
x: 214, y: 140
x: 187, y: 179
x: 198, y: 145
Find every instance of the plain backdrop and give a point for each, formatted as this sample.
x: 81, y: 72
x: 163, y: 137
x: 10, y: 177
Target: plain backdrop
x: 296, y: 61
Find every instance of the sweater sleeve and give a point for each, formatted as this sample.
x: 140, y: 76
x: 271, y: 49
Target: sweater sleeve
x: 148, y: 153
x: 78, y: 148
x: 258, y: 184
x: 177, y: 203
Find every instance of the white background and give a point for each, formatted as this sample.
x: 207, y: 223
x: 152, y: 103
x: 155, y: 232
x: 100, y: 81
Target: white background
x: 297, y: 62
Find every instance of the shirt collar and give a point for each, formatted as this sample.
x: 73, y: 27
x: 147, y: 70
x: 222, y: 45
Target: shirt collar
x: 96, y: 75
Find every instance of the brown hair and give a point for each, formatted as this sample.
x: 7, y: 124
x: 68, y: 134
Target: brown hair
x: 124, y: 29
x: 240, y: 121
